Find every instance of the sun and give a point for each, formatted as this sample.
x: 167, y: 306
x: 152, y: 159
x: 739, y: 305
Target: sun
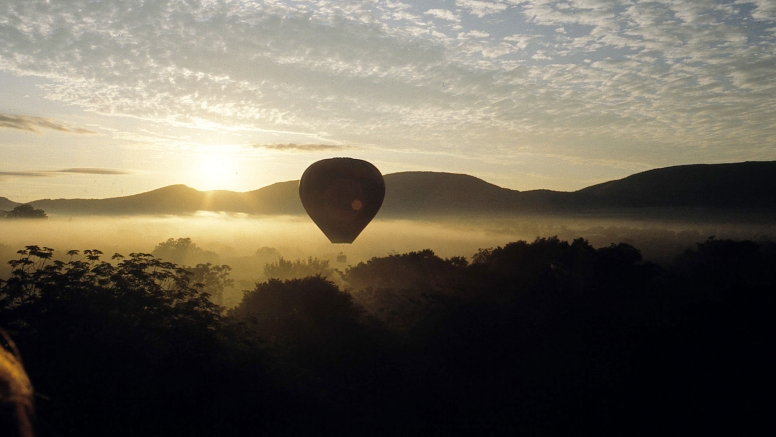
x: 215, y: 171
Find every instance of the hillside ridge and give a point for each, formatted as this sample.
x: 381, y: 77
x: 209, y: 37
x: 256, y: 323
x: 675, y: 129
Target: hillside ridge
x: 746, y: 185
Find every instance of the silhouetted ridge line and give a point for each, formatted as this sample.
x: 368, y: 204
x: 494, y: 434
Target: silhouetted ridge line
x: 7, y: 204
x: 429, y: 192
x: 739, y: 185
x: 731, y: 187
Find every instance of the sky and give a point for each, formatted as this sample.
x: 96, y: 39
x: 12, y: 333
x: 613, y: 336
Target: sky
x: 103, y: 98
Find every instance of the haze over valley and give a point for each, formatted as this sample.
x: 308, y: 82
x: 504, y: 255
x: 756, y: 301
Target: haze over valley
x: 453, y: 215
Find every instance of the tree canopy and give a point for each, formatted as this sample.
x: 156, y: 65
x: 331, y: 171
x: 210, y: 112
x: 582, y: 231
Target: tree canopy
x: 26, y: 211
x: 548, y: 337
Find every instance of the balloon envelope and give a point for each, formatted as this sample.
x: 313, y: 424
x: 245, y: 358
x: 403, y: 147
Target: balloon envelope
x: 342, y: 195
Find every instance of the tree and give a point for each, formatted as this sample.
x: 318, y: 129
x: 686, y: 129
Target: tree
x: 119, y: 347
x: 183, y: 251
x: 310, y: 317
x: 140, y: 286
x: 26, y: 211
x: 281, y: 308
x: 285, y: 269
x: 214, y: 280
x: 416, y: 270
x: 266, y: 255
x: 399, y: 290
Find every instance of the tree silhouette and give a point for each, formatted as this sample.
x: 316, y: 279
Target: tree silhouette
x: 183, y: 251
x: 422, y: 269
x: 26, y: 211
x: 298, y: 310
x: 214, y: 280
x: 286, y: 269
x: 548, y: 337
x: 402, y: 289
x: 115, y: 346
x: 322, y: 341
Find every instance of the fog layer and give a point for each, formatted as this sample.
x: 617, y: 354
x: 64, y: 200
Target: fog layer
x: 248, y: 243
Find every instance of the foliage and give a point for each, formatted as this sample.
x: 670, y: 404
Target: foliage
x: 401, y: 289
x: 548, y: 337
x: 553, y: 264
x: 286, y: 269
x: 131, y: 347
x: 214, y: 280
x: 422, y: 269
x: 183, y: 251
x: 287, y: 311
x: 729, y: 265
x: 266, y: 252
x: 322, y: 340
x: 26, y: 211
x: 142, y: 284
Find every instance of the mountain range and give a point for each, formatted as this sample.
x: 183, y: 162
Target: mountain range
x: 747, y: 186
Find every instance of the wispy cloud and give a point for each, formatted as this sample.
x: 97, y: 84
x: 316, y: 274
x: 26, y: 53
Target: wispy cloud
x: 443, y: 14
x: 682, y: 75
x: 481, y: 8
x: 105, y: 171
x: 34, y: 174
x: 34, y: 124
x: 50, y: 173
x: 291, y: 147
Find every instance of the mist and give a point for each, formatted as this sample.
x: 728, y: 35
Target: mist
x: 247, y: 243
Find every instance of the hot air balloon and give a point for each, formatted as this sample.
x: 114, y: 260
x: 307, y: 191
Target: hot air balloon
x: 341, y: 195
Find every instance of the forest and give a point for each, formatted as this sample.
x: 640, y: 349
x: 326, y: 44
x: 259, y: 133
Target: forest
x: 543, y: 338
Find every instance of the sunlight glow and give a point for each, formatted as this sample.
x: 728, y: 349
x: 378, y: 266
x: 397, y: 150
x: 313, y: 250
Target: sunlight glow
x: 215, y: 171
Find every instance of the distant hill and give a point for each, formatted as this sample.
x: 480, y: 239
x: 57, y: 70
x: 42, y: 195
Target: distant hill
x: 7, y: 205
x: 431, y: 193
x: 279, y: 198
x: 748, y: 185
x: 434, y: 193
x: 740, y: 185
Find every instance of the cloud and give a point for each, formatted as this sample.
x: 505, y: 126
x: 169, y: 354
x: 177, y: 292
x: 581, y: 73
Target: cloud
x: 499, y: 50
x: 443, y: 14
x: 481, y: 8
x: 681, y: 75
x: 303, y: 147
x: 520, y: 41
x: 764, y: 10
x: 50, y: 173
x: 34, y: 124
x: 80, y: 130
x: 33, y: 174
x: 474, y: 34
x: 104, y: 171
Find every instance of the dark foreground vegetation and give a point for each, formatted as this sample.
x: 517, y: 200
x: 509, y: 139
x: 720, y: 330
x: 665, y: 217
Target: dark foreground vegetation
x: 544, y: 338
